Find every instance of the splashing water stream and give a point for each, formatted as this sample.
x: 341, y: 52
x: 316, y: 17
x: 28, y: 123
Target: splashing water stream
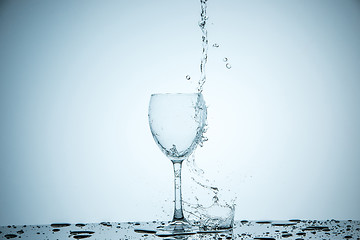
x: 205, y: 45
x: 217, y: 215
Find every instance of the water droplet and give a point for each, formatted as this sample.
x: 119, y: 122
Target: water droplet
x: 82, y: 236
x: 57, y: 225
x: 263, y: 222
x: 138, y: 230
x: 228, y: 66
x: 81, y: 232
x: 215, y: 45
x: 294, y: 220
x: 9, y: 236
x: 188, y: 77
x: 225, y: 59
x: 264, y: 238
x: 285, y: 223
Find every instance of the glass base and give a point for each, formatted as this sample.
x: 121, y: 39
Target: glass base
x: 177, y: 228
x: 181, y: 229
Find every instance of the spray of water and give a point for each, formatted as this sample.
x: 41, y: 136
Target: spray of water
x: 217, y: 215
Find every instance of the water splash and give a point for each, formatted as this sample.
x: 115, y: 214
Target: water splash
x: 173, y: 152
x: 201, y: 118
x: 217, y: 215
x: 205, y: 45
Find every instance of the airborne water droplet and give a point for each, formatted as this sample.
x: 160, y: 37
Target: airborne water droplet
x: 215, y: 45
x: 228, y: 66
x: 225, y: 59
x: 188, y: 77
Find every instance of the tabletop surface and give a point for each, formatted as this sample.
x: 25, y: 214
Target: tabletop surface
x: 260, y: 230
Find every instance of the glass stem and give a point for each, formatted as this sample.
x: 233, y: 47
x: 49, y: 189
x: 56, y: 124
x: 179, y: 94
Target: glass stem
x: 178, y: 211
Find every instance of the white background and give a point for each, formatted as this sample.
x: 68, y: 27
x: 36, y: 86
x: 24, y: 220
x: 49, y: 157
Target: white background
x: 76, y: 79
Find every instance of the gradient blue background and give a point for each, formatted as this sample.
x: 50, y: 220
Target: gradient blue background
x: 76, y: 79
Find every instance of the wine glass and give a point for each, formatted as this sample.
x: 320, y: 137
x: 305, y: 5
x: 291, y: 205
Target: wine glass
x: 177, y: 122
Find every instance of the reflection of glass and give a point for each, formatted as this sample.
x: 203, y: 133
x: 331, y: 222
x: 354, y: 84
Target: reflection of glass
x: 177, y: 123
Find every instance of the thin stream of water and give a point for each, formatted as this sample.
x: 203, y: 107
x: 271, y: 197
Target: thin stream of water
x: 217, y: 215
x: 205, y: 44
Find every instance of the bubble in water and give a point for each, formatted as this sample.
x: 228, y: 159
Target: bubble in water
x: 225, y: 59
x: 215, y: 45
x: 188, y: 77
x: 228, y: 66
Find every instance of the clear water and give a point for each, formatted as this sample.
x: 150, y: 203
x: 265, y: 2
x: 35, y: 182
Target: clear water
x: 213, y: 213
x: 205, y: 44
x: 176, y: 127
x: 217, y: 215
x: 249, y: 230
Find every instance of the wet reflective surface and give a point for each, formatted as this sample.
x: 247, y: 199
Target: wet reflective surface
x: 260, y: 230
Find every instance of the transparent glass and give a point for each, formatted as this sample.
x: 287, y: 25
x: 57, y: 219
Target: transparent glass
x: 177, y: 122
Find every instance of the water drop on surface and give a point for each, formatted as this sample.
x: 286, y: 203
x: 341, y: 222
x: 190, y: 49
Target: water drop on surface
x: 286, y: 235
x: 228, y: 66
x: 57, y: 225
x: 9, y: 236
x: 82, y: 236
x: 263, y: 222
